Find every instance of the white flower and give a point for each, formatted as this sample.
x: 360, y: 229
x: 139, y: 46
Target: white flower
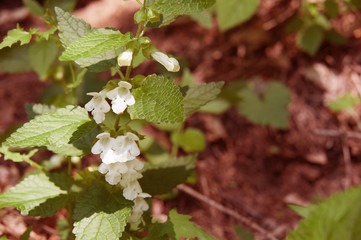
x: 121, y: 97
x: 140, y: 205
x: 126, y: 147
x: 104, y: 144
x: 132, y: 190
x: 125, y: 58
x: 170, y: 63
x: 113, y: 172
x: 98, y: 106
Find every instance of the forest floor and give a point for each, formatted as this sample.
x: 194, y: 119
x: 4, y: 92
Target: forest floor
x: 238, y: 169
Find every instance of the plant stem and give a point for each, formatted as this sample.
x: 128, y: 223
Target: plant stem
x: 139, y: 3
x: 120, y: 73
x: 34, y: 164
x: 116, y: 124
x: 73, y: 77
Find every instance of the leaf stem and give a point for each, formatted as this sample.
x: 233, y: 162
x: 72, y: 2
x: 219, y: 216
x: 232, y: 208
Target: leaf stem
x: 120, y: 73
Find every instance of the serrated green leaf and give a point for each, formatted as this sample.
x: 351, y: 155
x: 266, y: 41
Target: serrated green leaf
x: 58, y: 131
x: 334, y: 37
x: 338, y: 217
x: 302, y: 210
x: 47, y: 33
x: 34, y: 7
x: 191, y: 140
x: 157, y: 100
x: 343, y: 103
x: 269, y: 110
x: 179, y: 7
x: 42, y: 54
x: 15, y: 59
x: 233, y: 12
x: 163, y: 177
x: 198, y: 96
x: 217, y: 106
x: 30, y: 192
x: 242, y: 233
x: 70, y: 27
x: 51, y: 206
x: 17, y: 35
x: 100, y: 214
x: 310, y: 39
x: 178, y: 226
x: 94, y: 43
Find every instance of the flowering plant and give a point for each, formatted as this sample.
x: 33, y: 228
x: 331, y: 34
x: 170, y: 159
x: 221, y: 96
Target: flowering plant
x: 118, y: 204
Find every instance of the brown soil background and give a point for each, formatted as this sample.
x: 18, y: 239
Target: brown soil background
x: 237, y: 169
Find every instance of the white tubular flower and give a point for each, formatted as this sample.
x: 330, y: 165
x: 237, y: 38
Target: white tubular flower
x: 113, y: 172
x: 126, y: 147
x: 98, y: 106
x: 104, y: 144
x: 140, y: 206
x: 125, y: 58
x: 121, y: 97
x: 132, y: 190
x: 170, y: 63
x: 128, y: 178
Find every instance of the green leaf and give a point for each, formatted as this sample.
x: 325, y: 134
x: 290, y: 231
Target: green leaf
x: 70, y: 27
x: 157, y: 100
x: 67, y: 5
x: 338, y: 217
x: 179, y: 7
x: 163, y: 177
x: 198, y: 96
x: 335, y: 38
x: 294, y: 25
x: 53, y: 205
x: 242, y: 233
x: 60, y: 132
x: 17, y: 35
x: 99, y: 214
x: 34, y: 7
x: 301, y: 210
x: 191, y: 140
x: 178, y: 226
x: 216, y: 106
x: 331, y: 8
x: 16, y: 157
x: 42, y: 54
x: 47, y: 33
x: 203, y: 18
x: 343, y: 103
x: 230, y: 13
x: 310, y: 39
x: 26, y: 234
x: 30, y: 192
x: 269, y: 110
x: 94, y: 43
x: 15, y: 59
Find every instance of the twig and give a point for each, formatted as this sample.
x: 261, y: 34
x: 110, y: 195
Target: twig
x: 225, y: 210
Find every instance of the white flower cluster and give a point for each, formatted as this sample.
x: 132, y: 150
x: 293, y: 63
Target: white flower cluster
x: 120, y: 166
x: 120, y: 98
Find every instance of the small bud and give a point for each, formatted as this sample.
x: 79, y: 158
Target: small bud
x: 170, y: 63
x: 153, y: 16
x: 140, y: 16
x: 125, y: 58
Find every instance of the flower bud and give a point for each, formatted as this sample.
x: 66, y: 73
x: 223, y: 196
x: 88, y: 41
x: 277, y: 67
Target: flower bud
x: 125, y: 58
x: 170, y: 63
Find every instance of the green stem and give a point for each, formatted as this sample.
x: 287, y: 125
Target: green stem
x: 120, y: 73
x: 34, y: 164
x: 139, y: 3
x: 116, y: 124
x: 73, y: 77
